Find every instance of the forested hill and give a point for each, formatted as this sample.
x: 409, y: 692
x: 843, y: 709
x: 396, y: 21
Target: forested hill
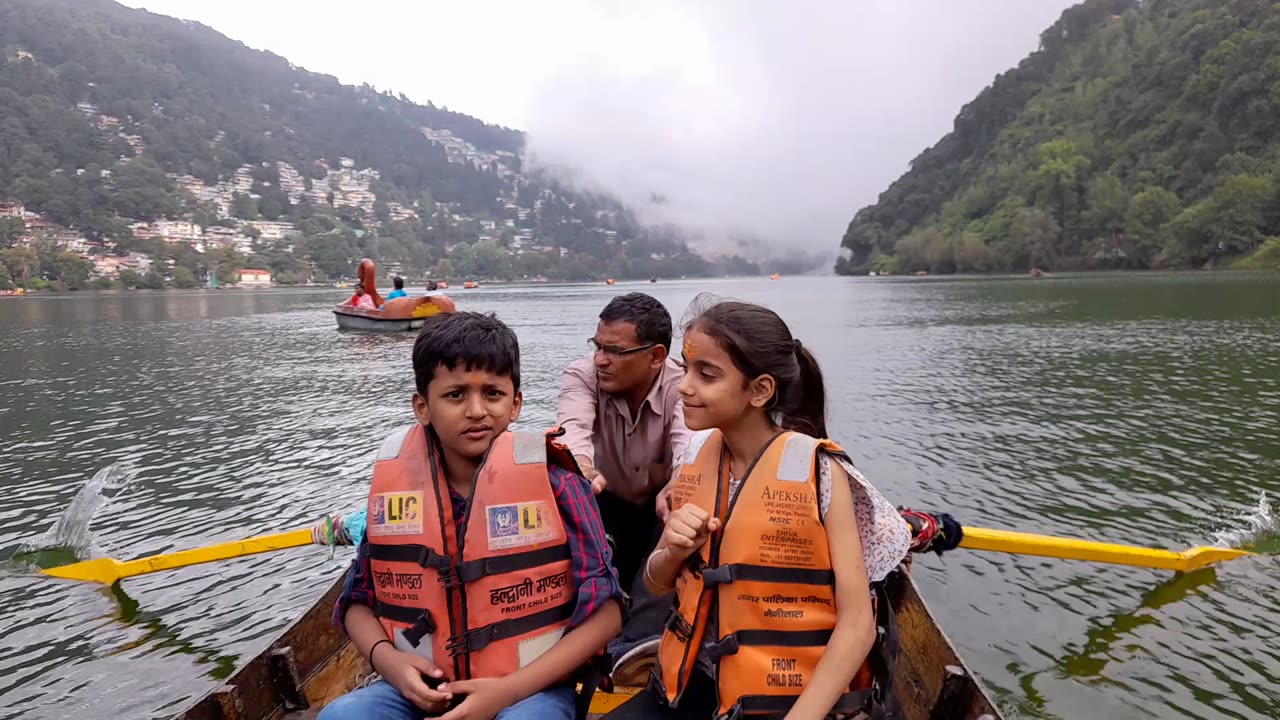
x: 1138, y: 135
x: 112, y: 118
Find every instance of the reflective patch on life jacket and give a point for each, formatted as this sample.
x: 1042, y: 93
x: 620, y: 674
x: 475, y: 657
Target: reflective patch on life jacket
x: 395, y: 513
x: 796, y: 464
x: 422, y: 649
x: 528, y: 448
x: 518, y: 524
x: 531, y: 649
x: 390, y: 448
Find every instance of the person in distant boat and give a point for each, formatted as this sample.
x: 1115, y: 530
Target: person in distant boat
x: 399, y: 292
x: 361, y: 299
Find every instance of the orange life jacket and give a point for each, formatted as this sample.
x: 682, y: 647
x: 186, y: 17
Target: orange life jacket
x: 766, y: 574
x: 493, y: 602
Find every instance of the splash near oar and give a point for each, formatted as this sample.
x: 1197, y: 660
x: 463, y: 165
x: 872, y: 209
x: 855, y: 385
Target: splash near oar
x: 108, y: 571
x: 1071, y: 549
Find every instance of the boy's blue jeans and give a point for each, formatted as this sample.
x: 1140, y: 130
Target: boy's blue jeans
x: 381, y: 701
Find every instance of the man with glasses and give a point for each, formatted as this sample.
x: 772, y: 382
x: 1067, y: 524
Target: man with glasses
x: 624, y: 421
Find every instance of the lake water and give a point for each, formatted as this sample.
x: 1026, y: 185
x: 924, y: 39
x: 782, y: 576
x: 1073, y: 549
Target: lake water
x: 1127, y: 408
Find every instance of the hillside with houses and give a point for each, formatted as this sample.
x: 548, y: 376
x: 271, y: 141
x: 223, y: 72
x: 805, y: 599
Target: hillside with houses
x: 139, y: 149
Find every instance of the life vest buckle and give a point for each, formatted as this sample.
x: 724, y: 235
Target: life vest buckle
x: 470, y: 641
x: 727, y: 645
x: 718, y: 575
x: 429, y: 558
x: 426, y: 625
x: 449, y: 579
x: 679, y: 626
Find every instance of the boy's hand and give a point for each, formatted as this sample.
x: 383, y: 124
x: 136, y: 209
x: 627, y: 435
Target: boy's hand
x: 687, y: 530
x: 486, y: 697
x: 405, y: 670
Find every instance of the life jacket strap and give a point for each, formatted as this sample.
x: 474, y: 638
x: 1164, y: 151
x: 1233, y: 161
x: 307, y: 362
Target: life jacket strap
x: 477, y: 639
x: 472, y: 570
x: 731, y: 643
x: 732, y: 572
x: 777, y: 706
x: 681, y: 628
x: 404, y: 614
x: 419, y: 555
x: 426, y: 625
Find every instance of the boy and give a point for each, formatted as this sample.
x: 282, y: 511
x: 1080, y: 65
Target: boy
x: 484, y: 579
x: 399, y: 292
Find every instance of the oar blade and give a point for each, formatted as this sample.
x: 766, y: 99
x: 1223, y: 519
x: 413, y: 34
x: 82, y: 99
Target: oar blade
x: 100, y: 570
x: 1198, y: 557
x: 1018, y: 543
x: 109, y: 570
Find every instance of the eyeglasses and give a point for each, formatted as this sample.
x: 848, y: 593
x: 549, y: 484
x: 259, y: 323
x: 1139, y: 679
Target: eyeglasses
x: 614, y: 351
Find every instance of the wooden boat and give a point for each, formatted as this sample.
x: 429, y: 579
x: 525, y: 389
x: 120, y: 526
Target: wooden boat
x: 311, y: 663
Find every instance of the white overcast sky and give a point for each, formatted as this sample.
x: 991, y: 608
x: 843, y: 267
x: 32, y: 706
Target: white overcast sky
x: 779, y: 118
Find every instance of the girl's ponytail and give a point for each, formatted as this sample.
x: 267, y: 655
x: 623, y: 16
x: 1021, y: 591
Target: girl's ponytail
x: 808, y: 406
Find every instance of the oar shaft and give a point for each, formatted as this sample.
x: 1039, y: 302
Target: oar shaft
x: 1027, y: 544
x: 213, y: 553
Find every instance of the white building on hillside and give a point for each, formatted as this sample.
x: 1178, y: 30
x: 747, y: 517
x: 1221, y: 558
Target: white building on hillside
x: 255, y: 278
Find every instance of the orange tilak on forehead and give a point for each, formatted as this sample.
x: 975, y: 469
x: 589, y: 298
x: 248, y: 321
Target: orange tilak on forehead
x: 688, y: 349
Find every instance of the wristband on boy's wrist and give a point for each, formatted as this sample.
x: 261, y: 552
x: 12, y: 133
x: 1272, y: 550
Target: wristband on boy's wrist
x: 375, y: 647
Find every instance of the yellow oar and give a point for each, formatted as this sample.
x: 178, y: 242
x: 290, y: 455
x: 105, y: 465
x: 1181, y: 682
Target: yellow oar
x: 1069, y: 549
x: 109, y: 570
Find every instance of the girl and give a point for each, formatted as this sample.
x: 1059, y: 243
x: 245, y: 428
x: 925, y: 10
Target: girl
x: 772, y: 549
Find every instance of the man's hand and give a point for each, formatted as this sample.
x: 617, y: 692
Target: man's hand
x: 405, y: 671
x: 598, y: 481
x: 662, y: 505
x: 485, y: 698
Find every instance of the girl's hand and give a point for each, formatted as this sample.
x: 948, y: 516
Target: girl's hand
x: 687, y: 530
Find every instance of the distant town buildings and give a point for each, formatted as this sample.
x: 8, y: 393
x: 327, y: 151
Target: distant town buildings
x: 345, y: 186
x: 255, y: 278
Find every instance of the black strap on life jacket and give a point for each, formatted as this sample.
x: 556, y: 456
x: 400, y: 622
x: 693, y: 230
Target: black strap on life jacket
x: 733, y: 572
x: 477, y: 639
x: 731, y: 643
x: 420, y: 622
x: 419, y: 555
x: 472, y: 570
x: 772, y: 707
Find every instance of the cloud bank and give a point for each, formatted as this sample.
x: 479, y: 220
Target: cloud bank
x: 769, y: 119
